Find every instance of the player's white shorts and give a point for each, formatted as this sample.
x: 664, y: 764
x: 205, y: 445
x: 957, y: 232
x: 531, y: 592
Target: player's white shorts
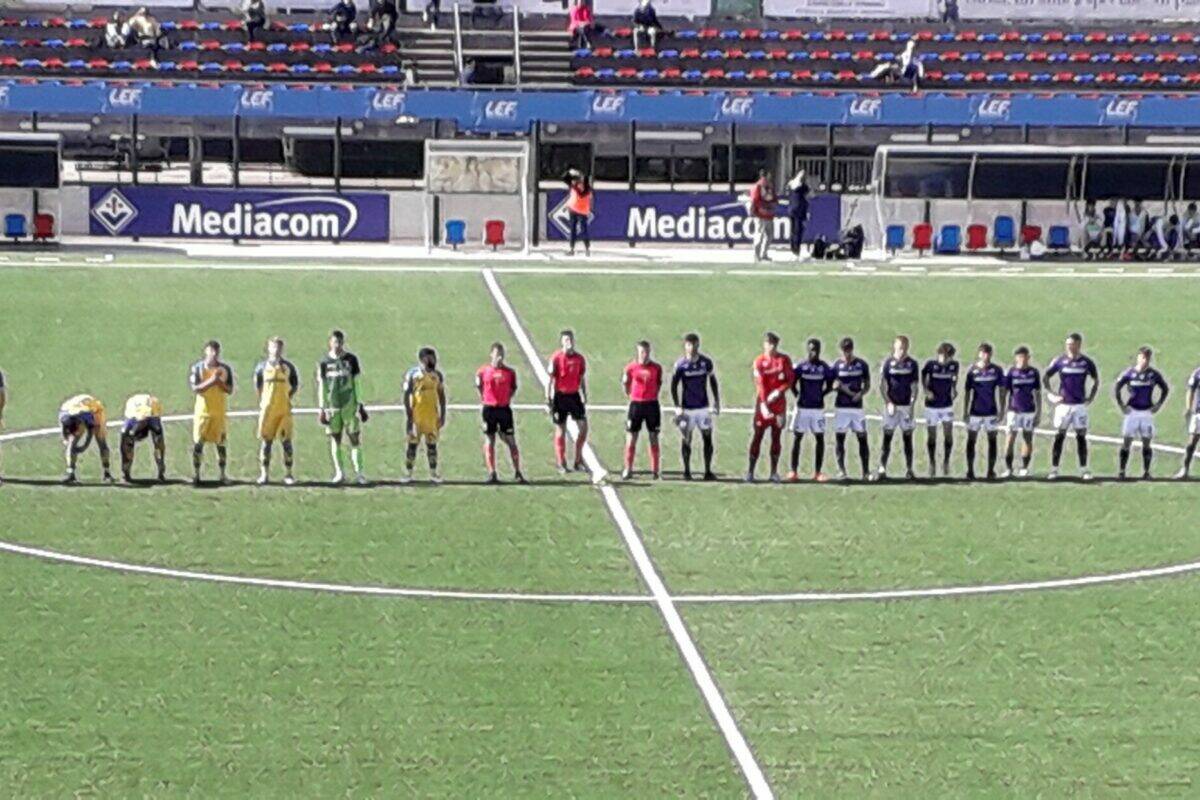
x: 1020, y: 420
x: 695, y: 419
x: 1070, y: 417
x: 987, y: 424
x: 850, y: 419
x: 901, y: 417
x: 1194, y: 425
x: 938, y: 416
x: 808, y: 420
x: 1138, y: 425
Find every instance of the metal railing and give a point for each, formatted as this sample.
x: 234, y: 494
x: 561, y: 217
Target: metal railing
x: 517, y: 45
x: 458, y: 44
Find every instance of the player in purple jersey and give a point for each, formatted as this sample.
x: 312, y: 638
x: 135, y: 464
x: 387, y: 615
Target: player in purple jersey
x: 1139, y: 407
x: 983, y: 397
x: 1071, y: 400
x: 812, y: 382
x: 695, y: 375
x: 1191, y: 418
x: 851, y: 382
x: 939, y: 380
x: 897, y: 383
x: 1023, y: 383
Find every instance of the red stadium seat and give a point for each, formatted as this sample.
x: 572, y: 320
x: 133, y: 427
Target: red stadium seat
x: 922, y: 236
x: 493, y: 233
x: 623, y: 33
x: 1030, y: 233
x: 881, y: 36
x: 792, y: 35
x: 43, y: 226
x: 976, y: 236
x: 626, y: 73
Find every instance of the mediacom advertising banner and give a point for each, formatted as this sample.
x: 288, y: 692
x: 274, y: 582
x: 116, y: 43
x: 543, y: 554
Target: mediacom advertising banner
x: 863, y: 9
x: 165, y: 211
x: 674, y: 217
x: 1073, y: 10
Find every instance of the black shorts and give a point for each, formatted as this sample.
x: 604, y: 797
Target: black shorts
x: 140, y: 429
x: 644, y: 412
x: 568, y: 405
x: 498, y: 419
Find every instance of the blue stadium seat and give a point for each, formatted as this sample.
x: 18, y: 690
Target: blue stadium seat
x: 1004, y: 232
x: 456, y: 232
x: 1059, y: 238
x: 14, y: 226
x: 949, y: 241
x: 895, y: 238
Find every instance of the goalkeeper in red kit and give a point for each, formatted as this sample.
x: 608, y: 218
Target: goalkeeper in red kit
x: 773, y: 377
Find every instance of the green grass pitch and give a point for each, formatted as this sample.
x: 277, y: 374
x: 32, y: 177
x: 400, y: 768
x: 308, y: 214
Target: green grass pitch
x: 120, y: 685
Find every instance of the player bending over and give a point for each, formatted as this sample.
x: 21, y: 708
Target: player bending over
x: 566, y: 397
x: 497, y: 383
x: 773, y: 376
x: 939, y: 379
x: 276, y: 380
x: 82, y: 419
x: 211, y: 380
x: 1023, y: 385
x: 1139, y: 408
x: 851, y: 382
x: 143, y: 418
x: 340, y: 398
x: 1071, y: 401
x: 813, y: 380
x: 425, y: 404
x: 983, y: 397
x: 1191, y: 418
x: 897, y: 383
x: 642, y: 381
x: 695, y: 374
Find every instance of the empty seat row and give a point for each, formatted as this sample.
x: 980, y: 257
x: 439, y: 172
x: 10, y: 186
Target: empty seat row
x: 168, y: 25
x: 693, y: 75
x: 208, y: 45
x: 16, y: 227
x: 925, y: 35
x: 949, y: 56
x: 949, y: 239
x: 493, y: 233
x: 188, y: 65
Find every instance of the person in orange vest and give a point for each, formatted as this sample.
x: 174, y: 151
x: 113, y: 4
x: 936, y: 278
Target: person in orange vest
x: 579, y: 206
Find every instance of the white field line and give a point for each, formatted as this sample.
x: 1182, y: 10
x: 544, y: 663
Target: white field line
x: 688, y: 270
x: 538, y: 407
x: 312, y: 586
x: 649, y: 573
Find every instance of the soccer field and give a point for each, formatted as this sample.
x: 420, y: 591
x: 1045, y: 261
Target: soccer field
x: 566, y: 638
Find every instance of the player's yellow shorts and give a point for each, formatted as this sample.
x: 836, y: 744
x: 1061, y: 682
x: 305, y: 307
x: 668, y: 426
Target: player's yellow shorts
x: 209, y: 429
x: 424, y: 428
x: 274, y: 425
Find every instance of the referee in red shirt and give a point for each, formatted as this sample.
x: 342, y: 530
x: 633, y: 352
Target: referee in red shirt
x: 642, y: 381
x: 566, y: 396
x: 497, y: 383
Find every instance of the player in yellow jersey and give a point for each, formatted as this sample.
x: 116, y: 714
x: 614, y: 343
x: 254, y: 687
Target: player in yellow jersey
x: 425, y: 403
x: 211, y: 380
x: 143, y: 418
x: 276, y: 382
x: 82, y: 419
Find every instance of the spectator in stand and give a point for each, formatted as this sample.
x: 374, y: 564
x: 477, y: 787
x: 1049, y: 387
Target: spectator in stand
x: 341, y: 20
x: 147, y: 32
x: 762, y: 208
x: 430, y: 15
x: 254, y: 17
x: 1093, y: 230
x: 797, y: 210
x: 580, y: 24
x: 1191, y: 228
x: 645, y: 23
x: 381, y: 22
x: 116, y: 32
x: 908, y: 67
x: 579, y: 207
x: 949, y: 9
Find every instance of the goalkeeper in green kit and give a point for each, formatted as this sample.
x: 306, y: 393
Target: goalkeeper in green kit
x: 339, y: 396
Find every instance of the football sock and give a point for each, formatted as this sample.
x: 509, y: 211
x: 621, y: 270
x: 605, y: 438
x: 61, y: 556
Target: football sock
x: 1027, y: 452
x: 288, y: 454
x: 515, y: 453
x: 560, y: 447
x: 992, y: 448
x: 655, y: 457
x: 1124, y: 457
x: 776, y: 448
x: 431, y: 453
x: 1189, y: 453
x: 971, y: 437
x: 1009, y: 453
x: 756, y: 443
x: 197, y: 456
x: 1147, y: 455
x: 489, y: 456
x: 908, y: 449
x: 840, y: 451
x: 222, y: 456
x: 797, y: 443
x: 356, y: 459
x: 886, y: 450
x: 708, y: 449
x: 264, y: 455
x: 685, y: 454
x: 335, y: 453
x: 1082, y: 443
x: 410, y: 456
x: 931, y: 448
x: 947, y: 450
x: 819, y: 453
x: 864, y: 453
x: 580, y: 441
x: 629, y: 456
x: 126, y: 454
x: 1056, y: 451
